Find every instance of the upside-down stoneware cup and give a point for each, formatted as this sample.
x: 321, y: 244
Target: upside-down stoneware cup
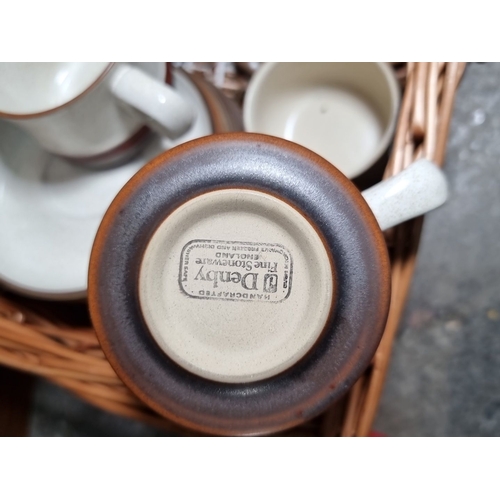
x: 239, y: 283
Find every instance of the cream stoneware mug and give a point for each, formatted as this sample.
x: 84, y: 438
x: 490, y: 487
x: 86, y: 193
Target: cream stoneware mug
x: 240, y: 283
x: 91, y: 112
x: 345, y: 112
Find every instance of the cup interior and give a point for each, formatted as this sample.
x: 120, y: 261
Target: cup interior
x: 345, y: 112
x: 30, y: 88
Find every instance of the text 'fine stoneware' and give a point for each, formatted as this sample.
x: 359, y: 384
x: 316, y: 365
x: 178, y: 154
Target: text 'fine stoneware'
x: 239, y: 283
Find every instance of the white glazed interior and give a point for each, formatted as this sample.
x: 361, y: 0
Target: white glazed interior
x: 30, y: 88
x: 50, y: 209
x: 345, y: 112
x: 193, y: 300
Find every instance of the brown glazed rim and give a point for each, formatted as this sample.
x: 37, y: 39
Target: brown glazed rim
x: 334, y: 363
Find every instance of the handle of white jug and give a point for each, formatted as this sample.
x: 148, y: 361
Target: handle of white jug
x: 418, y: 189
x: 158, y: 101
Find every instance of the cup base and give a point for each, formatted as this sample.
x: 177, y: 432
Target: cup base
x: 236, y: 285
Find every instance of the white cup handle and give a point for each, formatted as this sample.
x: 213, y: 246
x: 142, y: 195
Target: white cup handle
x: 418, y: 189
x: 157, y: 100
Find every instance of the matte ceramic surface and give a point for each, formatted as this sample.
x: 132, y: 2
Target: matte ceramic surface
x: 236, y: 285
x: 346, y: 112
x: 418, y: 189
x: 50, y: 209
x: 324, y: 198
x: 77, y: 110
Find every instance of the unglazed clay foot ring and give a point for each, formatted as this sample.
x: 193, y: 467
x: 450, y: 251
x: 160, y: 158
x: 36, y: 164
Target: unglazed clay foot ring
x: 236, y: 285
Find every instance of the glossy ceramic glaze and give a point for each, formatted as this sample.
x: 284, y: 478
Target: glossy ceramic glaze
x: 346, y: 112
x: 50, y: 209
x: 82, y: 110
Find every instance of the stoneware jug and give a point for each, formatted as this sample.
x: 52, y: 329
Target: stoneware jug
x: 239, y: 283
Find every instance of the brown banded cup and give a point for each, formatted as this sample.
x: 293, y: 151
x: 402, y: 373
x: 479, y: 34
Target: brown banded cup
x: 240, y: 283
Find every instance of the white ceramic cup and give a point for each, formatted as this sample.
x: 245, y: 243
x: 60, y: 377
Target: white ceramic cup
x: 345, y: 112
x: 82, y: 111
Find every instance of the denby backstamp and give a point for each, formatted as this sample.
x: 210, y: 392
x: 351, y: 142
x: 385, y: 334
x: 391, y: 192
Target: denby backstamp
x: 234, y: 270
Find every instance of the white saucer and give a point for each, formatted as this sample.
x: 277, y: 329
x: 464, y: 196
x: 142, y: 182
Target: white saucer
x: 50, y: 210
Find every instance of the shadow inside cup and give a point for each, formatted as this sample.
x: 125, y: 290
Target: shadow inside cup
x: 374, y: 174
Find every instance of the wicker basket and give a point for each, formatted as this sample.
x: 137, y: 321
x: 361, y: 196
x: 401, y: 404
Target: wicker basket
x: 56, y: 341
